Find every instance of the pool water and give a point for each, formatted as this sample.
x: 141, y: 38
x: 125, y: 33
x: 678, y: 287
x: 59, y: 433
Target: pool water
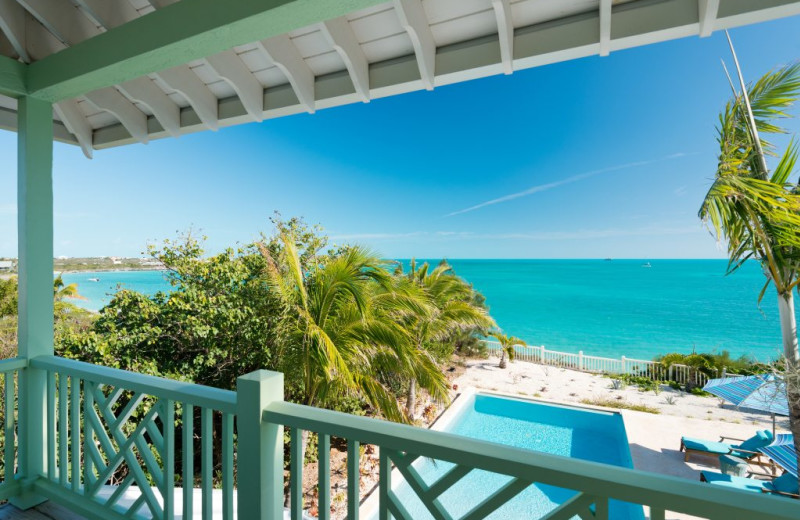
x: 561, y: 430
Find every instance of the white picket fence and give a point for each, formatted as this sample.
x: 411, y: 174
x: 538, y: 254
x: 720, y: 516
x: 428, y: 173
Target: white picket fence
x: 602, y: 365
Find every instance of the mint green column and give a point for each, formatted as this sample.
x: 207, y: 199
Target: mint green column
x: 35, y: 236
x: 260, y: 447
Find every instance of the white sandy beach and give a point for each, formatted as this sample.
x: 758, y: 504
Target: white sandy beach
x: 564, y: 385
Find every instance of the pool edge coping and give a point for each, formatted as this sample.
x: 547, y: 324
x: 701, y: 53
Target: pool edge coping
x: 368, y: 508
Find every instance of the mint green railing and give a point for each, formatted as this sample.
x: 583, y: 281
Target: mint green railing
x: 105, y: 424
x: 9, y: 381
x: 595, y: 484
x: 110, y: 431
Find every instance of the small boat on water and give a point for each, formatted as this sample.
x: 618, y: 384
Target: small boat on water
x: 94, y: 279
x: 646, y: 264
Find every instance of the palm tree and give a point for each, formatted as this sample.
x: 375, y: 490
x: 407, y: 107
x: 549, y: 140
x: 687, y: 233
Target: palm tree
x: 755, y: 210
x: 451, y: 309
x: 61, y: 291
x: 507, y: 344
x: 338, y: 337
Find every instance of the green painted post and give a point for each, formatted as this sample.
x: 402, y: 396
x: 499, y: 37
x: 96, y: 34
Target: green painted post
x: 35, y: 236
x: 168, y: 454
x: 51, y: 425
x: 385, y: 484
x: 324, y: 479
x: 227, y: 466
x: 63, y: 420
x: 353, y: 479
x: 75, y: 431
x: 296, y: 474
x: 206, y: 463
x: 260, y: 464
x: 8, y: 410
x: 188, y: 460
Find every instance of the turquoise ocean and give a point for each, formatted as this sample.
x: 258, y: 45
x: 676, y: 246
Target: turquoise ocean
x: 605, y: 308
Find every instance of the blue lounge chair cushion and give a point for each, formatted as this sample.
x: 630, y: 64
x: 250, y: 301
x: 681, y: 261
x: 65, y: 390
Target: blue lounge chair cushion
x: 731, y: 465
x: 759, y: 440
x: 719, y: 448
x: 786, y: 483
x: 729, y: 481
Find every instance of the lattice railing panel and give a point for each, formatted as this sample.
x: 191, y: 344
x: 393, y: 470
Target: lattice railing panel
x: 121, y: 450
x: 490, y: 494
x: 483, y: 503
x: 117, y: 442
x: 110, y: 442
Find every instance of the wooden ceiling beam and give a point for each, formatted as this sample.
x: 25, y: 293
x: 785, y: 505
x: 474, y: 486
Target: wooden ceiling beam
x: 340, y: 35
x: 172, y: 36
x: 412, y: 18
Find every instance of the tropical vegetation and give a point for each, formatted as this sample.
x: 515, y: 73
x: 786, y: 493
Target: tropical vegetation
x: 507, y: 346
x: 68, y: 317
x: 333, y: 319
x: 754, y: 206
x: 447, y: 310
x: 713, y: 364
x: 350, y: 332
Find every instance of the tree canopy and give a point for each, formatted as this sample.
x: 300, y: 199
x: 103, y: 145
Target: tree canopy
x: 336, y: 320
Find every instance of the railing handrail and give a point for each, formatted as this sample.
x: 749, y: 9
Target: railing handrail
x: 585, y: 356
x: 662, y: 491
x: 189, y: 393
x: 11, y: 364
x: 647, y: 361
x: 589, y: 356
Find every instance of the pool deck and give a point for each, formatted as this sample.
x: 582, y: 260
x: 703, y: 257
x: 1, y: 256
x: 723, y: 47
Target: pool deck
x: 655, y: 442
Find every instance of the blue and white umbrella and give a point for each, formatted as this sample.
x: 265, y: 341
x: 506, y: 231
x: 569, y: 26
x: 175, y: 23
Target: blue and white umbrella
x: 763, y: 392
x: 782, y: 452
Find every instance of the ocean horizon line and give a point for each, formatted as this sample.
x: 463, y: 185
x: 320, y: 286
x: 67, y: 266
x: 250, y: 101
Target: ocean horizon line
x: 122, y: 257
x: 598, y: 258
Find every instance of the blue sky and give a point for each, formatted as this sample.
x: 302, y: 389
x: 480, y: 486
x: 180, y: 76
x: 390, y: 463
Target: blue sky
x: 599, y: 157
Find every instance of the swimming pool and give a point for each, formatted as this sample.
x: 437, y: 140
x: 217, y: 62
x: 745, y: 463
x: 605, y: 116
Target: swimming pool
x: 561, y: 430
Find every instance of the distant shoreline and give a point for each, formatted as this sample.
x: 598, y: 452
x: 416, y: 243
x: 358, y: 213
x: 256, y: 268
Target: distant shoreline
x: 6, y: 276
x: 109, y: 270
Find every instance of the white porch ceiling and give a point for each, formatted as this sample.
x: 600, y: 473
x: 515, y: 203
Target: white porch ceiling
x: 389, y: 49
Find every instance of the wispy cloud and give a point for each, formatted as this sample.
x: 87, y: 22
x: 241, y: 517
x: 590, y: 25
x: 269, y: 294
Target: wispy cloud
x: 587, y: 234
x: 581, y: 234
x: 569, y: 180
x: 377, y: 236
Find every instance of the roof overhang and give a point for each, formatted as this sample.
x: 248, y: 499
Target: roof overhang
x: 124, y: 71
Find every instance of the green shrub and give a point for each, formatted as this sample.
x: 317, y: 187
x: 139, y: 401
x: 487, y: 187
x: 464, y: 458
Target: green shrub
x: 477, y: 349
x: 644, y: 383
x: 712, y: 364
x: 614, y: 403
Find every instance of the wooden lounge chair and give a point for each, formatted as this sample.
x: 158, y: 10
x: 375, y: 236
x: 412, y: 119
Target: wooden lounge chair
x: 785, y: 485
x: 746, y: 449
